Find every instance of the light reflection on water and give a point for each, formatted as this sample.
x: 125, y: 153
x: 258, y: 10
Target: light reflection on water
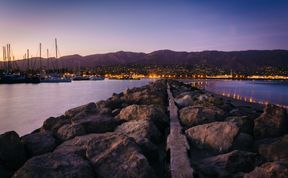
x: 262, y: 92
x: 24, y: 107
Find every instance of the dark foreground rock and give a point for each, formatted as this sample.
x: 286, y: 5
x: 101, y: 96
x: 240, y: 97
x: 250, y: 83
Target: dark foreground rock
x: 229, y: 164
x: 110, y: 154
x: 274, y: 149
x: 245, y: 123
x: 272, y: 123
x: 270, y: 170
x: 12, y: 151
x: 55, y: 165
x: 39, y: 143
x: 218, y: 136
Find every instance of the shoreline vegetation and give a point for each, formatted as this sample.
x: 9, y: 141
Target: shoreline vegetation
x: 137, y: 132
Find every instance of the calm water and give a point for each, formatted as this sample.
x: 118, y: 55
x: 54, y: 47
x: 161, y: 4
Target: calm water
x: 24, y: 107
x: 252, y: 91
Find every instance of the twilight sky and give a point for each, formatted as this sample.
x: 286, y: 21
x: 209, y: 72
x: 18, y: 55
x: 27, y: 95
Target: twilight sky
x: 98, y: 26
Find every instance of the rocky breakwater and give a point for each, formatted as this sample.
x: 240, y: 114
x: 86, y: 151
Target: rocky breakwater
x: 232, y: 140
x: 126, y: 135
x: 123, y: 136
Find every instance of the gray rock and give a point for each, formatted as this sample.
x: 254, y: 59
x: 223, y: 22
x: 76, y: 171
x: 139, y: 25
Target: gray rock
x: 54, y: 123
x: 275, y: 149
x: 277, y: 169
x: 5, y: 172
x: 145, y: 134
x: 243, y: 141
x: 218, y: 136
x: 185, y: 99
x: 98, y: 123
x: 69, y: 131
x: 12, y: 151
x: 88, y: 108
x: 117, y: 156
x: 87, y: 123
x: 39, y: 143
x: 111, y: 154
x: 139, y: 130
x: 272, y: 123
x: 55, y: 165
x: 230, y: 163
x: 245, y: 123
x: 196, y: 115
x: 145, y: 112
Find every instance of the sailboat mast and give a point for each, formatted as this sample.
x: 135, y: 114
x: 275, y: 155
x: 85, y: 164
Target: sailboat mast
x: 40, y: 54
x: 28, y: 65
x: 48, y: 65
x: 56, y: 48
x: 4, y: 57
x: 8, y: 57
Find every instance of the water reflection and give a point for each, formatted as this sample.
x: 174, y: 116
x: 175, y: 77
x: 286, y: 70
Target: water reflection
x: 261, y: 92
x: 24, y: 107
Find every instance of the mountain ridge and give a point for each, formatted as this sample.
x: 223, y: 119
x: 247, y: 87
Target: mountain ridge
x: 236, y: 60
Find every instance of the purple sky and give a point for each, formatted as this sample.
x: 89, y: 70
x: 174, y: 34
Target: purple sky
x: 88, y: 27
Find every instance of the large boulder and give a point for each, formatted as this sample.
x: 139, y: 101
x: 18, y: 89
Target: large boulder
x: 39, y: 143
x: 145, y: 134
x: 229, y: 164
x: 140, y: 130
x: 277, y: 169
x: 54, y: 165
x: 186, y: 99
x: 12, y: 151
x: 245, y: 123
x: 117, y: 156
x: 111, y: 154
x: 5, y: 172
x: 54, y: 123
x: 89, y: 123
x: 275, y: 149
x: 154, y: 93
x: 196, y: 115
x: 217, y: 136
x: 97, y: 123
x: 144, y: 112
x: 69, y: 131
x: 88, y: 108
x: 178, y: 87
x: 114, y: 102
x: 273, y: 122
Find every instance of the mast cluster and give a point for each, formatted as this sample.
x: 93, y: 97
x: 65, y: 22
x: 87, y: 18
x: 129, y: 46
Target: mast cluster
x: 28, y: 63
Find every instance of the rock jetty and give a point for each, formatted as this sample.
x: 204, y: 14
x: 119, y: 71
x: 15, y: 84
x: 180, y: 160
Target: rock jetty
x: 164, y: 129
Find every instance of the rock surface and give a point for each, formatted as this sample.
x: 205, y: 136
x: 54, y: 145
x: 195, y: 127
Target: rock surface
x: 111, y: 155
x: 12, y: 151
x: 117, y: 156
x: 229, y: 164
x: 140, y: 130
x: 275, y: 149
x: 218, y: 136
x: 270, y: 170
x: 196, y: 115
x: 245, y: 123
x: 39, y: 143
x: 144, y: 112
x: 83, y: 124
x: 55, y: 165
x: 88, y: 108
x: 272, y: 123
